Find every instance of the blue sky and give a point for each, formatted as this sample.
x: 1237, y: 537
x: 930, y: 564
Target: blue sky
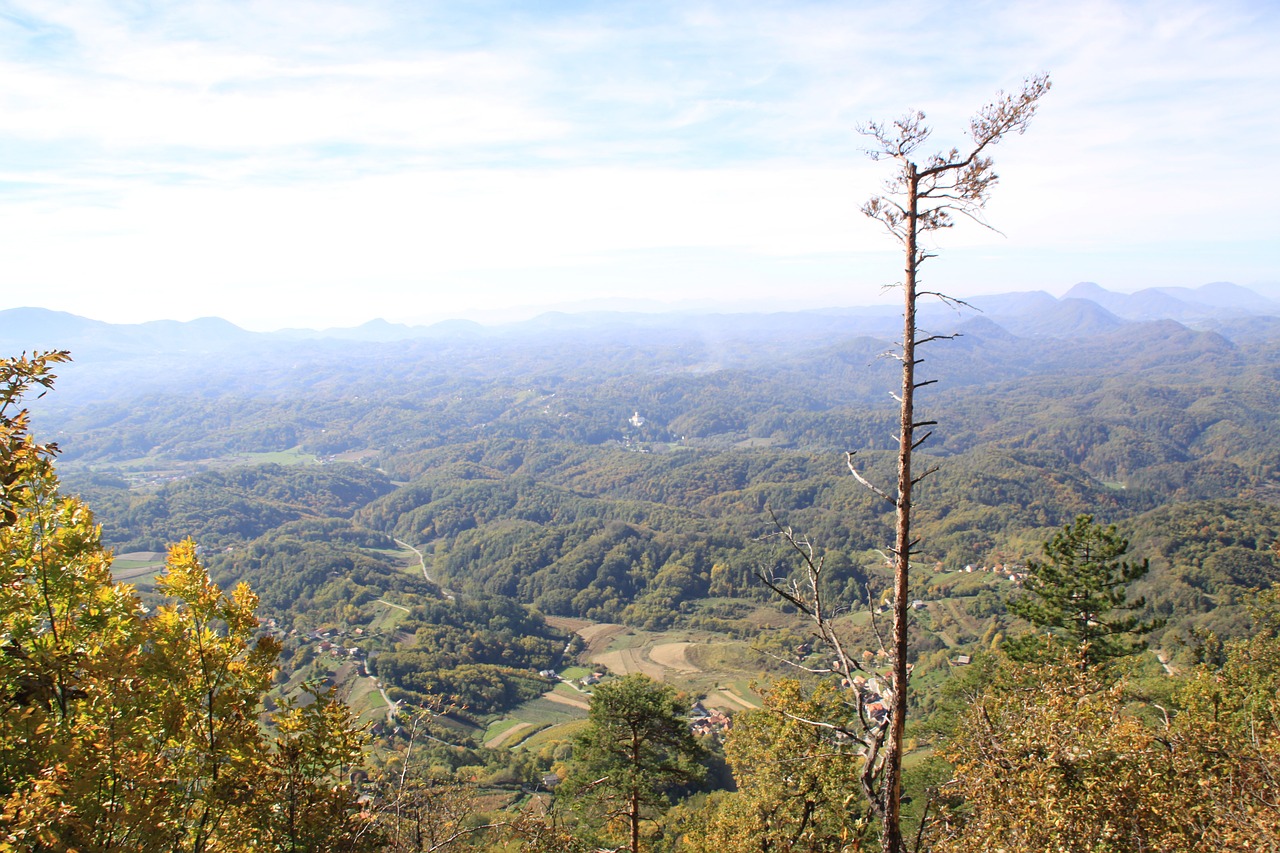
x: 324, y: 163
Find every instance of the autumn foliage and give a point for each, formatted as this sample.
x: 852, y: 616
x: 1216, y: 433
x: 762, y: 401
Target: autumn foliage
x: 124, y: 729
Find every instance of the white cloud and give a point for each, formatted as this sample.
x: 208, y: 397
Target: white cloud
x: 273, y: 156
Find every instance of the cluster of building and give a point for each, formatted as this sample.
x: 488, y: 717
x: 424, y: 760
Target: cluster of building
x: 708, y: 721
x: 1012, y: 571
x: 337, y: 645
x: 916, y: 604
x: 876, y: 697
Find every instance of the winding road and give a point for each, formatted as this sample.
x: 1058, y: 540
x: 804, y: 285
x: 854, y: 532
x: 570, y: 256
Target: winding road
x: 393, y: 707
x: 422, y: 561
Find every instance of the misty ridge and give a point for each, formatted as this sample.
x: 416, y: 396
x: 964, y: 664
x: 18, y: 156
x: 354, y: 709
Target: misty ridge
x: 1125, y: 405
x: 114, y: 358
x: 1025, y: 369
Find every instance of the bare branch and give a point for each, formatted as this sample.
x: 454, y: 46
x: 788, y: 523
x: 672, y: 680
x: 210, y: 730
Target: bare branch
x: 868, y: 777
x: 462, y: 833
x: 797, y: 665
x: 950, y: 301
x: 924, y: 820
x: 975, y: 217
x: 863, y: 480
x: 917, y: 199
x: 822, y: 724
x: 928, y: 471
x: 875, y: 625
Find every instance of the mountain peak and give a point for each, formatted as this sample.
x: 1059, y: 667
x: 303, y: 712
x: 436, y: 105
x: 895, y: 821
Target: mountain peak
x: 1088, y: 290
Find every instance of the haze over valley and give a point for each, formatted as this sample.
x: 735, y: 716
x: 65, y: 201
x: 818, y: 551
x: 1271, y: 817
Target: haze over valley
x: 441, y: 428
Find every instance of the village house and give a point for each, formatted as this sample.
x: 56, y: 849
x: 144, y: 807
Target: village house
x: 704, y: 721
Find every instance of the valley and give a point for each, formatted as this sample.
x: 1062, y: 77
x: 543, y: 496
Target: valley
x: 465, y: 541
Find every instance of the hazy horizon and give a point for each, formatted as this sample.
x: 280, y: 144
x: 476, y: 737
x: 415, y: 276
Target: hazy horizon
x: 521, y: 313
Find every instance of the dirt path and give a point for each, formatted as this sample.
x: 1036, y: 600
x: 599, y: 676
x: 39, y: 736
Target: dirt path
x: 392, y: 707
x: 734, y: 699
x: 497, y: 740
x: 422, y: 561
x: 389, y: 604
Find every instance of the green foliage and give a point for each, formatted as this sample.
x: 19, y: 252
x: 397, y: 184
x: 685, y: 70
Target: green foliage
x: 518, y: 477
x: 315, y: 571
x: 482, y: 656
x: 123, y: 729
x: 226, y: 507
x: 636, y: 748
x: 1077, y: 590
x: 311, y: 808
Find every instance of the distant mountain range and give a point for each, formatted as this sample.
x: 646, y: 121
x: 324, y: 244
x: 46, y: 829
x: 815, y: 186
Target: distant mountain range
x: 1087, y: 309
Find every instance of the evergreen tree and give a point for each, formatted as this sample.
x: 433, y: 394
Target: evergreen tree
x: 1077, y: 591
x: 637, y: 746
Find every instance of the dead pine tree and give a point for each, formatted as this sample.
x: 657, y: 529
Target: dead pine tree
x: 923, y: 195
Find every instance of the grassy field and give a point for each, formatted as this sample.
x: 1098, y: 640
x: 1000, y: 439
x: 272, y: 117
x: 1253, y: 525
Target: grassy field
x: 721, y: 671
x: 407, y: 559
x: 147, y: 473
x: 535, y: 724
x: 366, y: 701
x: 139, y: 568
x: 387, y: 616
x: 292, y: 456
x: 499, y: 728
x: 553, y: 734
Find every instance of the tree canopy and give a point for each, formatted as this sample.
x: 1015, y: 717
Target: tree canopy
x: 1080, y: 591
x: 636, y: 748
x: 124, y: 729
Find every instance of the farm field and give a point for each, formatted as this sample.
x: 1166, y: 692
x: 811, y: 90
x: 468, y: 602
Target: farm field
x: 139, y: 568
x: 720, y: 671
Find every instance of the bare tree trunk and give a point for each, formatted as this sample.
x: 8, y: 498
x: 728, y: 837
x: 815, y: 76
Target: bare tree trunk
x: 916, y: 200
x: 891, y: 831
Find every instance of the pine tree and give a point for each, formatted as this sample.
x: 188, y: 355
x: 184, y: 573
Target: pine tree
x: 1079, y: 592
x: 636, y: 747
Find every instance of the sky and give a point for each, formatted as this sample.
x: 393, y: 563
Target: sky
x: 320, y: 164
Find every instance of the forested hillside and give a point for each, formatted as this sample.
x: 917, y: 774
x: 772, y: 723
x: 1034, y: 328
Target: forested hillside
x: 618, y: 469
x: 444, y: 519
